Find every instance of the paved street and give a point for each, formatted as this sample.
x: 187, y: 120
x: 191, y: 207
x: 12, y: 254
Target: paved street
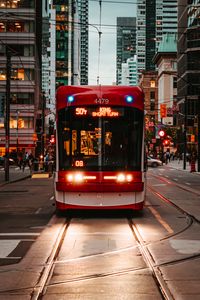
x: 99, y: 253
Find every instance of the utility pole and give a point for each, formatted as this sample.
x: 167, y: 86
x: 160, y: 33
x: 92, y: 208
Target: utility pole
x: 43, y: 124
x: 7, y: 116
x: 198, y: 133
x: 185, y: 134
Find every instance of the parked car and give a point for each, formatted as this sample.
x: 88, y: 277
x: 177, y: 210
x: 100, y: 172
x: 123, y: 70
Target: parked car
x: 153, y: 162
x: 2, y: 159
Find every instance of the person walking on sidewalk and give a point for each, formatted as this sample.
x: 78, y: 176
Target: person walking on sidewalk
x: 192, y: 163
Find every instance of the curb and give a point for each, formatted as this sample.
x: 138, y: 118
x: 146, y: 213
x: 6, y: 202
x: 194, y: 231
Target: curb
x: 15, y: 180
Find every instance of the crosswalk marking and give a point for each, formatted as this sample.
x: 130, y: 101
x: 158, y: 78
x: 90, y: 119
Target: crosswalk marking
x: 7, y: 246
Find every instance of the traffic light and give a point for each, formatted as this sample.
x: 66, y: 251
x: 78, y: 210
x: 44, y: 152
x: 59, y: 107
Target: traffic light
x: 166, y: 142
x: 161, y: 133
x: 35, y: 138
x: 163, y: 110
x: 192, y: 138
x: 52, y: 139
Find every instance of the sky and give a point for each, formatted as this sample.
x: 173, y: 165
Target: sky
x: 110, y: 12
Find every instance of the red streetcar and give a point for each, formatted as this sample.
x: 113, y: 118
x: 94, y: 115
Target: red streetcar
x: 100, y: 148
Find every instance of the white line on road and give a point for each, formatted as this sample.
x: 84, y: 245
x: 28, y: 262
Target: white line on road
x: 159, y: 184
x: 188, y: 183
x: 38, y: 211
x: 10, y: 257
x: 19, y: 234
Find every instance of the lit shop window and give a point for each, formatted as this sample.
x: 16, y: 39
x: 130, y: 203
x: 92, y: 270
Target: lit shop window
x: 16, y: 3
x: 17, y: 26
x: 2, y: 75
x: 23, y: 122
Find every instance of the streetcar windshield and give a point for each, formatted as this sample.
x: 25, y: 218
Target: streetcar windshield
x: 100, y: 138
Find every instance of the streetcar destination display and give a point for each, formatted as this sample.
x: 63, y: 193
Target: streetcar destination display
x: 99, y: 112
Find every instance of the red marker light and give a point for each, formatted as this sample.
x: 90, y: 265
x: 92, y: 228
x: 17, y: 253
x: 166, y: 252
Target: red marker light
x: 52, y: 140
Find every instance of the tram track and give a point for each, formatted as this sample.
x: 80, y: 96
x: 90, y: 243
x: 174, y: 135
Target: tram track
x: 44, y: 281
x: 48, y: 268
x: 180, y: 186
x: 160, y: 282
x: 144, y: 245
x: 191, y: 219
x: 167, y: 200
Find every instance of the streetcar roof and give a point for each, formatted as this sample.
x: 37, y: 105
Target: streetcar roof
x: 99, y: 95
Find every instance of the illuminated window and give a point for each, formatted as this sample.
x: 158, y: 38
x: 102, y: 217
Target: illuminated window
x: 152, y: 83
x: 2, y: 75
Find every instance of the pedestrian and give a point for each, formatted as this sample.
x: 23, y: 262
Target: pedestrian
x: 192, y: 163
x: 162, y: 158
x: 46, y: 162
x: 167, y: 156
x: 25, y: 161
x: 30, y: 160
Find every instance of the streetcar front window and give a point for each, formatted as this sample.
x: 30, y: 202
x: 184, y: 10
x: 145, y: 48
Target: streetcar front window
x: 106, y: 140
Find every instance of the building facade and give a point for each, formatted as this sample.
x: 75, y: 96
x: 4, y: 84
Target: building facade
x: 189, y: 71
x: 84, y: 40
x: 166, y: 63
x: 155, y: 18
x: 126, y: 42
x: 129, y: 72
x: 18, y: 38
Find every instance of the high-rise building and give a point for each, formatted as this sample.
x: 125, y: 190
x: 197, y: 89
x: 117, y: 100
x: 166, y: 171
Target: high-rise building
x: 129, y: 72
x: 188, y: 87
x: 52, y: 62
x: 141, y: 35
x: 155, y: 18
x: 63, y: 72
x: 19, y: 40
x: 126, y: 42
x: 83, y: 21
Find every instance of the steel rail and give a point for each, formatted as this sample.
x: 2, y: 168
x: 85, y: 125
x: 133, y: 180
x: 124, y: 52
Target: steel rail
x: 161, y: 284
x: 47, y: 271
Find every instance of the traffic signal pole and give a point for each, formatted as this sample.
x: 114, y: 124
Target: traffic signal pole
x: 7, y: 116
x: 198, y: 133
x: 185, y: 134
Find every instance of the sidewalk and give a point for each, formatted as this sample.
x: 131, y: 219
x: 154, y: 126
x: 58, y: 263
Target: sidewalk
x: 15, y: 174
x: 176, y: 164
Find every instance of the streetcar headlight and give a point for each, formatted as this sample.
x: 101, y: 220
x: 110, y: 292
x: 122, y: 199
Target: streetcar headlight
x: 129, y: 177
x: 78, y: 177
x: 121, y: 177
x: 70, y: 177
